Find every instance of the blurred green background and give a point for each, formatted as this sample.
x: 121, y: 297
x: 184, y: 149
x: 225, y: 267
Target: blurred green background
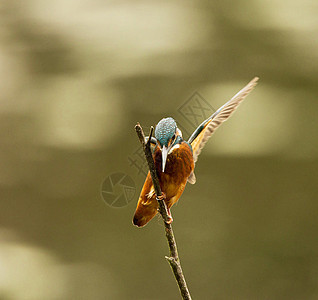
x: 76, y: 76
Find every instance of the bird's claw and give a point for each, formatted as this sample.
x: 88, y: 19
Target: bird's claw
x: 162, y: 196
x: 169, y: 219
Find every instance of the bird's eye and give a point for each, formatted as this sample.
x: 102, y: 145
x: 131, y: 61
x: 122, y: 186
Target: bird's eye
x: 174, y: 136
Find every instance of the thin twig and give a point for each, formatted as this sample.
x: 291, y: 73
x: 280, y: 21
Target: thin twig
x: 173, y: 259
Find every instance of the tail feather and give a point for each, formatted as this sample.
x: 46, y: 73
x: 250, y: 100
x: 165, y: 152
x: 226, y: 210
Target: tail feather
x: 145, y: 212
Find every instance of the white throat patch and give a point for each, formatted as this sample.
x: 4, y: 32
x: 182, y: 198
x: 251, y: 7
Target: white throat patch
x: 174, y: 148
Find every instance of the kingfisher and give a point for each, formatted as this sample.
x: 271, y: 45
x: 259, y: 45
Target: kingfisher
x: 175, y: 158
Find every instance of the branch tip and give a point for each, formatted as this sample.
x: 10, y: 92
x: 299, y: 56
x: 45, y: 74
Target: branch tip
x: 140, y: 133
x: 151, y: 132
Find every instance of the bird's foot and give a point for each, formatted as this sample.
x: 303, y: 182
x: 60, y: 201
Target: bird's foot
x: 162, y: 196
x: 170, y: 219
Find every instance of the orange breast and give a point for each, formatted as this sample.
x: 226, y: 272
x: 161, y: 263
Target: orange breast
x: 179, y: 165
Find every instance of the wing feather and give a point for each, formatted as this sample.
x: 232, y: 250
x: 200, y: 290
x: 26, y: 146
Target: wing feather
x: 207, y: 128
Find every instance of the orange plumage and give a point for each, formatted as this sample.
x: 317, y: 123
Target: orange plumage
x: 172, y: 181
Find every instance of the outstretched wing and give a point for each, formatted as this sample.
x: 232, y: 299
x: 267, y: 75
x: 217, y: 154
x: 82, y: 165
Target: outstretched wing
x: 201, y: 135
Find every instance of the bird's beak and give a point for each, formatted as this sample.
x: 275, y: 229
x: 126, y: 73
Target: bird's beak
x: 164, y: 153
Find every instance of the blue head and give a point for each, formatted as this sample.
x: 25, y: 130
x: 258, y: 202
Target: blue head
x: 165, y: 131
x: 167, y: 134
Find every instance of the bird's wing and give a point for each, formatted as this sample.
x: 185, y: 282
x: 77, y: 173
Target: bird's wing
x: 201, y: 135
x: 191, y: 178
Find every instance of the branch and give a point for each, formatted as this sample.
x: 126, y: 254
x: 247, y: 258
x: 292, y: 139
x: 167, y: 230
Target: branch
x: 173, y: 259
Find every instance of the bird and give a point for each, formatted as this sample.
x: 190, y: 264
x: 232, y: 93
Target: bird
x: 175, y: 158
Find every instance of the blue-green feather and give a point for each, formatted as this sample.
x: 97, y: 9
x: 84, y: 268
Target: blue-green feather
x: 165, y: 130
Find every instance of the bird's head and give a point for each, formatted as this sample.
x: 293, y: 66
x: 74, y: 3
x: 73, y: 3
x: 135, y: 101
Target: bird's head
x: 167, y: 134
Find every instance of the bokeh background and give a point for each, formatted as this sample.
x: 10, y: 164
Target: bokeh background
x: 76, y: 76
